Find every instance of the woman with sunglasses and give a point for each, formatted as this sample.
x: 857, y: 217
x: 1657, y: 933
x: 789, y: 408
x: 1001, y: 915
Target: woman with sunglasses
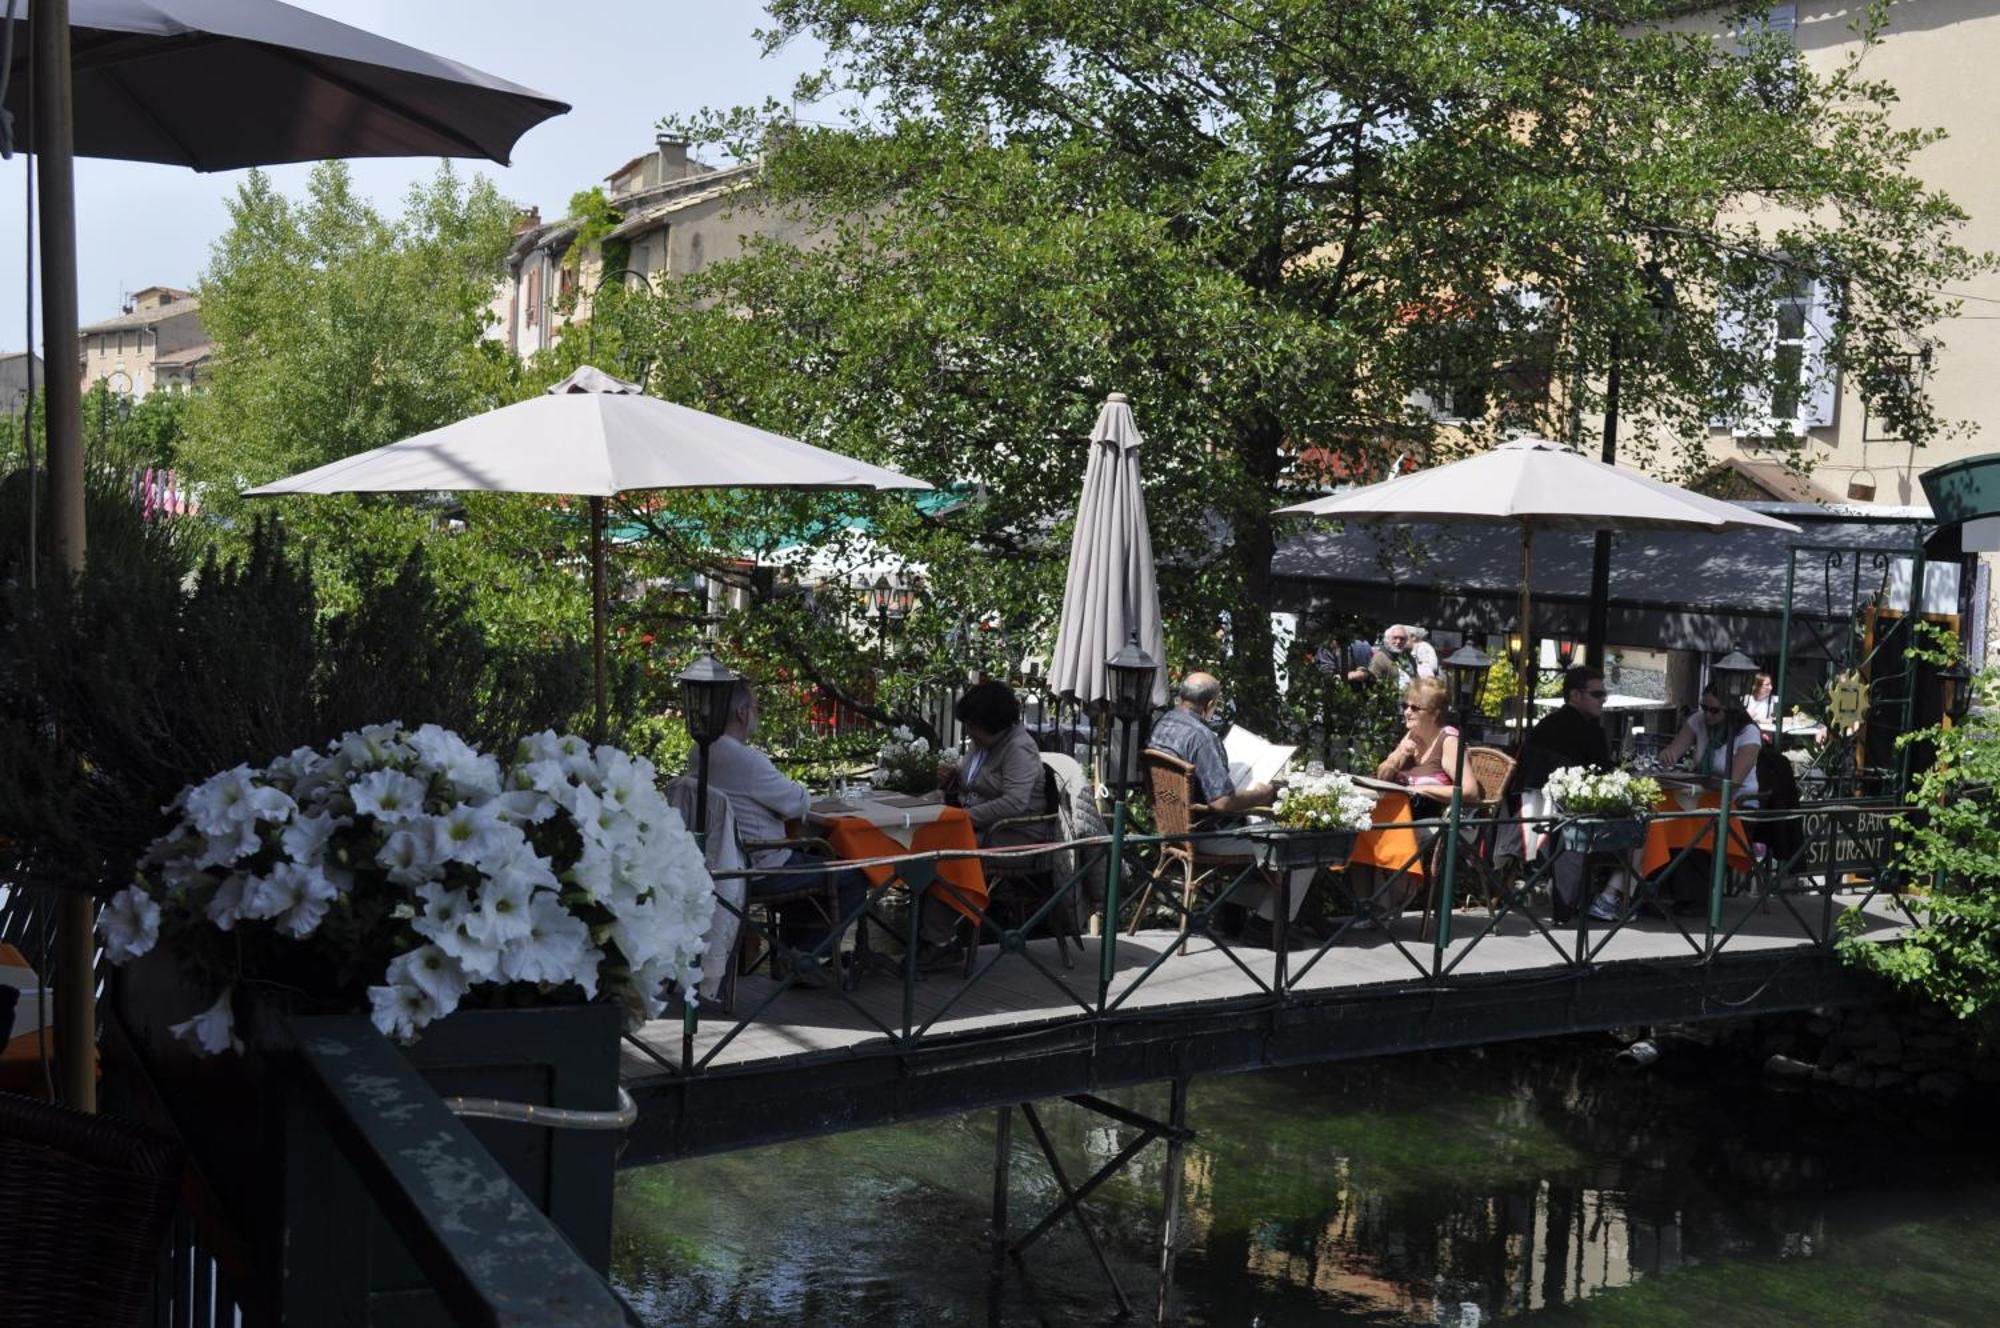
x: 1724, y: 741
x: 1427, y: 757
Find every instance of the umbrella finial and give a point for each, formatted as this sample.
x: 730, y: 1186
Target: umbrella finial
x: 1119, y: 397
x: 590, y: 379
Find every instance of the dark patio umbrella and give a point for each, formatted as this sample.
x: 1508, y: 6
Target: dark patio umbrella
x: 221, y: 84
x: 214, y: 85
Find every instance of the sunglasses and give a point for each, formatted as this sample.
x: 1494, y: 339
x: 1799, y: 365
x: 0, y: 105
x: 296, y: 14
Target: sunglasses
x: 1413, y: 707
x: 1598, y: 695
x: 1711, y: 710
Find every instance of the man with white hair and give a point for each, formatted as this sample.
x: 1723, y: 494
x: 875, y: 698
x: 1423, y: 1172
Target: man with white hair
x: 1184, y: 731
x: 763, y: 802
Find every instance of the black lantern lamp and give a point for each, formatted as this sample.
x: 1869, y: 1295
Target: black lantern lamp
x: 1131, y: 673
x: 1566, y: 648
x: 1730, y: 676
x: 1517, y: 649
x: 708, y: 690
x: 1464, y: 670
x: 1957, y: 679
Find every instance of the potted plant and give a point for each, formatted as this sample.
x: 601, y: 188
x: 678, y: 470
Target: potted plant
x: 906, y: 764
x: 504, y: 918
x: 1604, y: 810
x: 1317, y: 817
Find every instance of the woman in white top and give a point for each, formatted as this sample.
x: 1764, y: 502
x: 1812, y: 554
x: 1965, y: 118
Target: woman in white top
x: 1724, y: 741
x: 1762, y: 703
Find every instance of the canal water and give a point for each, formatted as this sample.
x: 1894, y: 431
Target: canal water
x: 1540, y: 1183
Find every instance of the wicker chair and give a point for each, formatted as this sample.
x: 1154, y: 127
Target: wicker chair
x: 1487, y: 771
x: 1170, y: 784
x: 87, y: 1201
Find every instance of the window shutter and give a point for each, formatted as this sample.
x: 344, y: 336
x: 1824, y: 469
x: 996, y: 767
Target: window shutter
x: 1819, y: 401
x: 1749, y: 409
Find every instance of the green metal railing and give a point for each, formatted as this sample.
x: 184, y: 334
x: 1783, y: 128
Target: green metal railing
x: 1841, y: 860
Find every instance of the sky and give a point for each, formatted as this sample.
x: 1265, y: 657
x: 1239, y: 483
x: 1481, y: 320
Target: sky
x: 621, y: 64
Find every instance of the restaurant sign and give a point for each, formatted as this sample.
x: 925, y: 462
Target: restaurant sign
x: 1847, y: 839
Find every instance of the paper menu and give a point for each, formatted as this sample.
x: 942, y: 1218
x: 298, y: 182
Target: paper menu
x: 1252, y: 759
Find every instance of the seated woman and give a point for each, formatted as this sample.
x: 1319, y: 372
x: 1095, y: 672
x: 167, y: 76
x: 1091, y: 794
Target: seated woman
x: 1002, y: 778
x: 1762, y: 703
x: 1426, y: 761
x: 1427, y: 757
x: 1724, y: 741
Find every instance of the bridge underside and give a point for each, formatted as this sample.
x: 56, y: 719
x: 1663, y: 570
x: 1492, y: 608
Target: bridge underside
x: 802, y: 1068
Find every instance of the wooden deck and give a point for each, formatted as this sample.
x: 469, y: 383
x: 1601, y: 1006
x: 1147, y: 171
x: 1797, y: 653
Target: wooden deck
x: 1019, y: 993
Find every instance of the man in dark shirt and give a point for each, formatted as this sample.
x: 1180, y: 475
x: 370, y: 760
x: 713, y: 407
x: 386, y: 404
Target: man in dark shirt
x: 1572, y: 734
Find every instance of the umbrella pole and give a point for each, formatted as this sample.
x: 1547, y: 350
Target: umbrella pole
x: 597, y: 614
x: 55, y: 164
x: 1531, y: 649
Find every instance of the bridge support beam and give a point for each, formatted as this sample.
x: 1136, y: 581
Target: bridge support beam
x: 1174, y: 1130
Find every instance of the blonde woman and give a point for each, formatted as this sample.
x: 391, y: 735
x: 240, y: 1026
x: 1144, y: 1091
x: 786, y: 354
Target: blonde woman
x: 1427, y: 757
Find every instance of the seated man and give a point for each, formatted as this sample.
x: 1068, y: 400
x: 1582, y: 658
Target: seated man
x: 763, y: 801
x: 1571, y: 734
x: 1183, y: 731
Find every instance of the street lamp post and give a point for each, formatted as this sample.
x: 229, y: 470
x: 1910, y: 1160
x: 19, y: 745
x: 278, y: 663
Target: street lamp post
x: 707, y: 688
x: 1730, y: 676
x: 1465, y: 669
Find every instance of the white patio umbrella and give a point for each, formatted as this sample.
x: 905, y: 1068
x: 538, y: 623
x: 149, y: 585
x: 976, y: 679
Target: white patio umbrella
x: 591, y: 435
x: 1536, y: 485
x: 1111, y: 592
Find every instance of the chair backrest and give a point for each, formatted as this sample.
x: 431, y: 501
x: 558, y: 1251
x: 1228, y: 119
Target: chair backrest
x: 1488, y: 769
x: 720, y: 849
x: 1170, y: 783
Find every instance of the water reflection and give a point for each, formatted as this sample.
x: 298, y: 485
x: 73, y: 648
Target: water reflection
x: 1538, y: 1183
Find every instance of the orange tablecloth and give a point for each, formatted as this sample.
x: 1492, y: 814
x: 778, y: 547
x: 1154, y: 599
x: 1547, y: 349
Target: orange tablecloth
x: 1666, y: 838
x: 1393, y: 847
x: 21, y: 1058
x: 855, y: 839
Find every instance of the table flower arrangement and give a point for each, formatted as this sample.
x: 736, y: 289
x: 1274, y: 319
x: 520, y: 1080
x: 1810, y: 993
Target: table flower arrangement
x: 1581, y: 791
x: 1324, y: 800
x: 905, y: 764
x: 410, y: 872
x: 1316, y: 820
x: 1607, y: 807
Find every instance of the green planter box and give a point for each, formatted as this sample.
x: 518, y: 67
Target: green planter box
x: 311, y: 1239
x: 1304, y: 848
x: 1595, y: 834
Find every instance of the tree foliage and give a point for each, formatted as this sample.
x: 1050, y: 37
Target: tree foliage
x: 1948, y: 853
x: 1269, y: 221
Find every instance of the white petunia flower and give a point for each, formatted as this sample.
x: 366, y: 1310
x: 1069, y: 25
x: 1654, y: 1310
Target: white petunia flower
x: 555, y: 949
x: 293, y: 896
x: 402, y: 1009
x: 500, y: 914
x: 388, y: 795
x: 409, y: 854
x: 305, y: 839
x: 225, y: 907
x: 471, y: 833
x: 441, y: 976
x: 464, y: 768
x: 129, y: 924
x: 213, y: 1031
x: 523, y: 806
x: 372, y: 747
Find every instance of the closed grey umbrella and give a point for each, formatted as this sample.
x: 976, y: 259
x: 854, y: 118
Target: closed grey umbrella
x: 221, y: 84
x: 1111, y: 591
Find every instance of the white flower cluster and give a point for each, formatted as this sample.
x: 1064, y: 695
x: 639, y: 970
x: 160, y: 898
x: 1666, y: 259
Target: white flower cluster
x: 1324, y: 800
x: 905, y: 763
x: 1578, y: 790
x: 567, y: 868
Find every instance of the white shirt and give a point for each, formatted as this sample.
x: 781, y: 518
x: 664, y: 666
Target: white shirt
x: 762, y: 799
x: 1715, y: 764
x: 1763, y: 709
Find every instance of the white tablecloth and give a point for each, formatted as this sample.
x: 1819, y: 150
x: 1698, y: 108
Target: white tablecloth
x: 893, y: 814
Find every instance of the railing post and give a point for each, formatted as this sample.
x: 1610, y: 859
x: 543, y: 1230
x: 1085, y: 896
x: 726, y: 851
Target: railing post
x: 1446, y: 884
x: 1107, y: 943
x: 1719, y: 869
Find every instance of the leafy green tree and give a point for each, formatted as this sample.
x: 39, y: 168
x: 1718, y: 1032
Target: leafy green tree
x: 1269, y: 222
x: 338, y: 329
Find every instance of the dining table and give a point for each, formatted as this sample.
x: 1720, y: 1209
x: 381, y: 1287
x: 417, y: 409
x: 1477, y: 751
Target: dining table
x: 866, y: 827
x: 1667, y: 836
x: 1391, y: 841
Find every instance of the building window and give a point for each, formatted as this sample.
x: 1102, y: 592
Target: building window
x: 1777, y: 321
x: 535, y: 294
